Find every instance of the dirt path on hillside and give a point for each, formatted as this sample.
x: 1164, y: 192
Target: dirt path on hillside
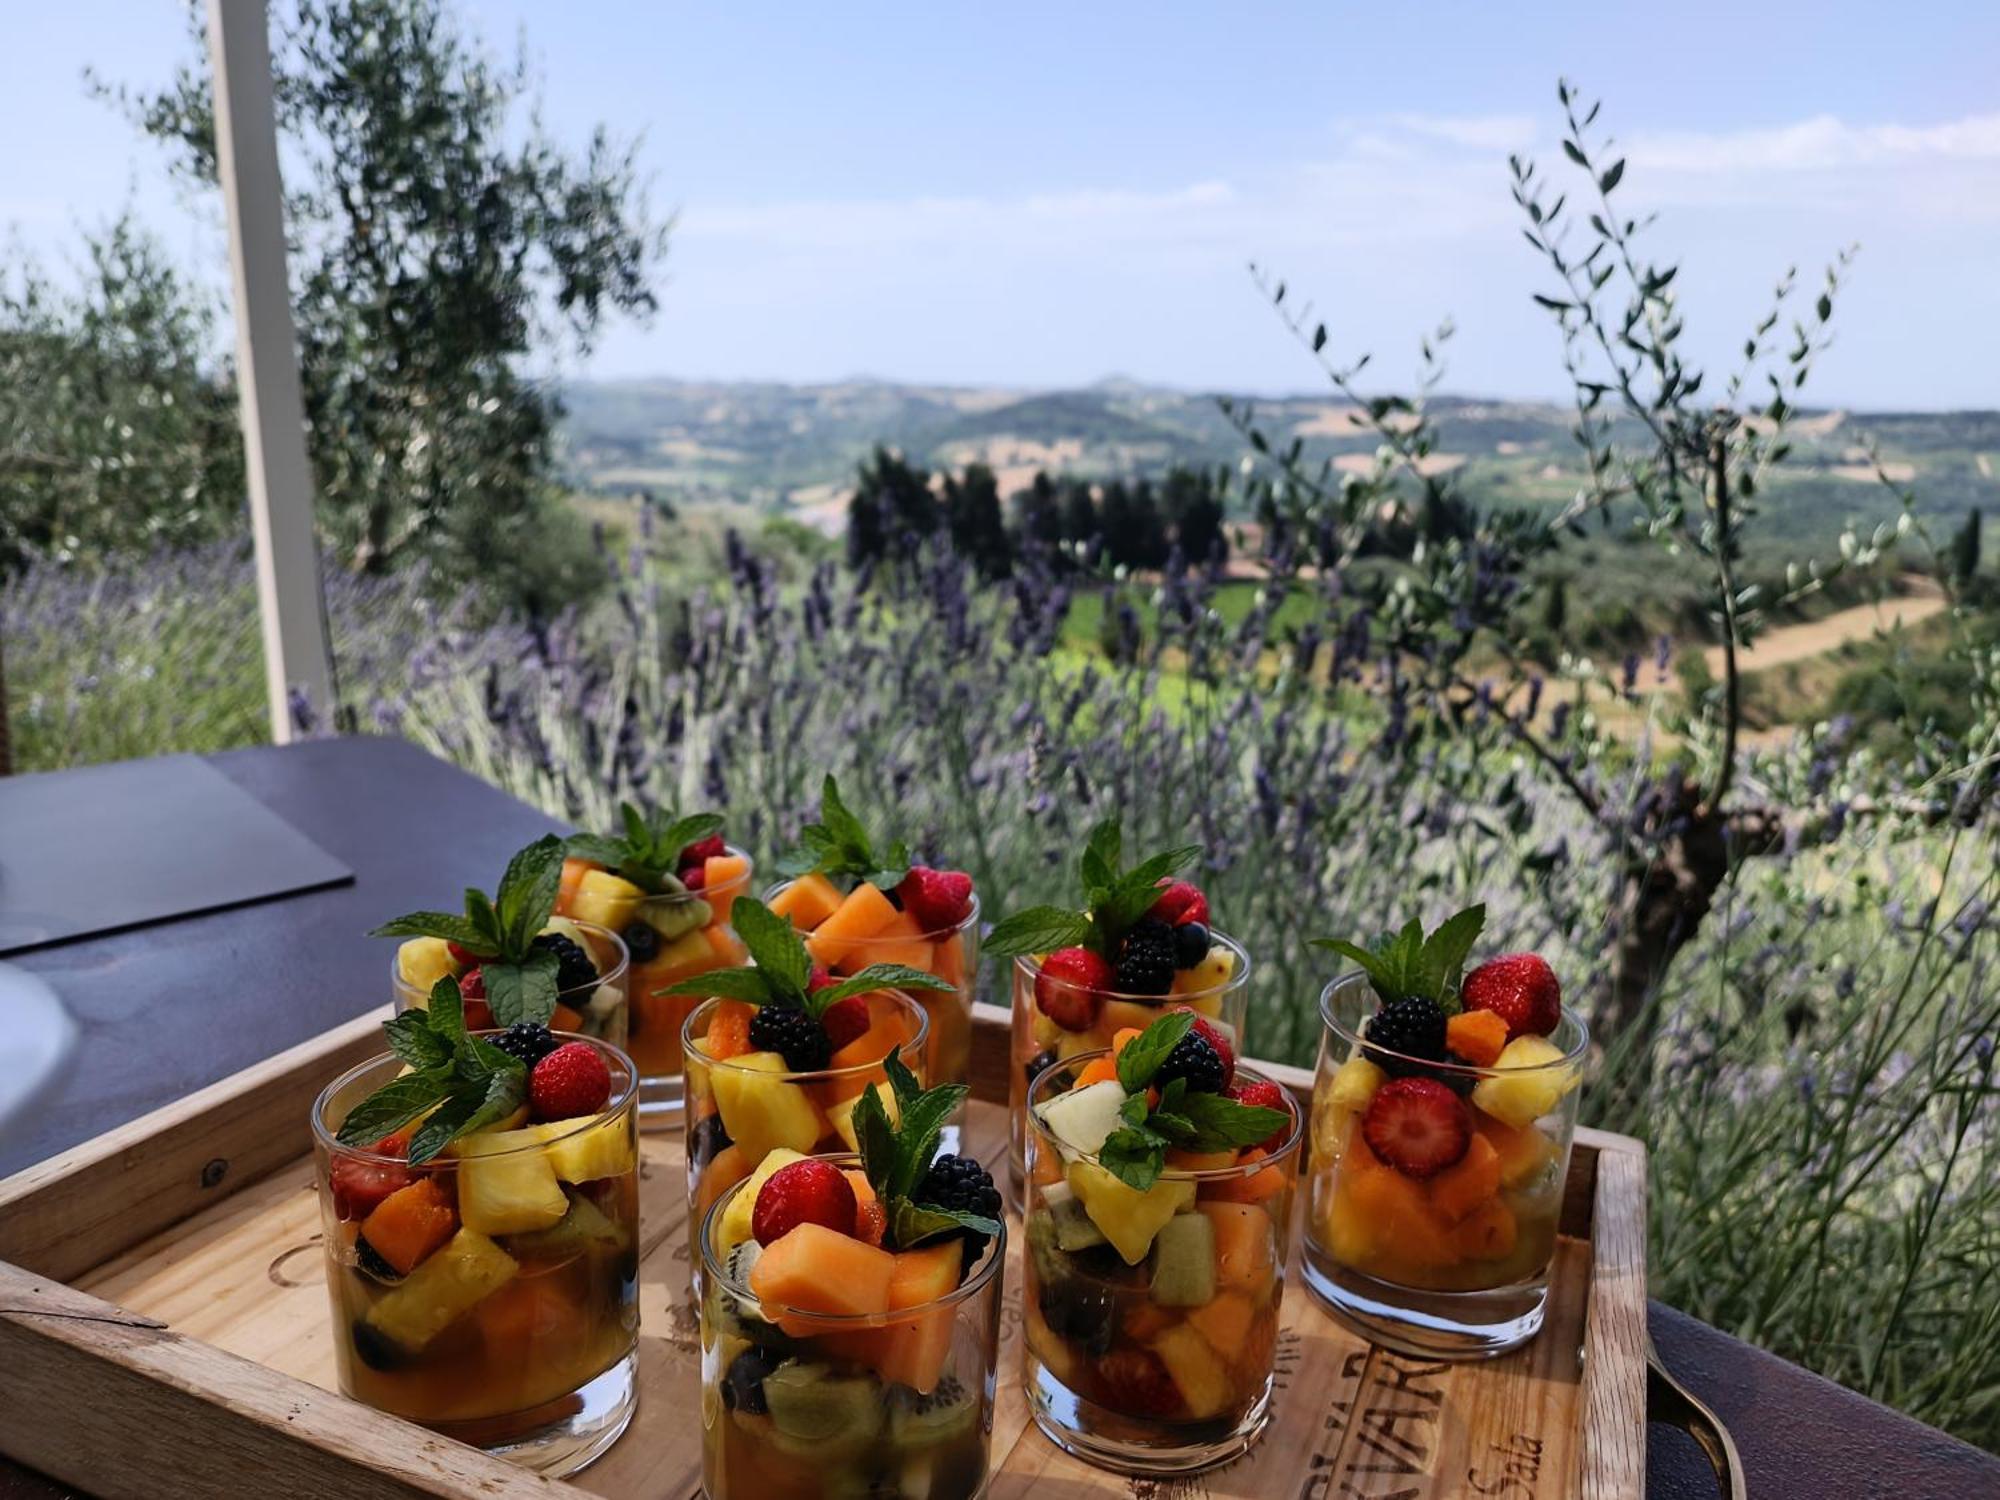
x: 1790, y: 643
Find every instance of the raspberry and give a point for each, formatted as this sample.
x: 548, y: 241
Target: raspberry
x: 788, y: 1030
x: 1146, y: 963
x: 530, y: 1041
x: 1217, y: 1038
x: 803, y: 1192
x: 570, y: 1081
x: 1414, y: 1027
x: 1180, y: 903
x: 642, y: 941
x: 1136, y: 1383
x: 1195, y: 1061
x: 695, y: 877
x: 574, y: 970
x: 1417, y: 1125
x: 1070, y: 987
x: 1521, y: 989
x: 472, y: 985
x: 712, y: 847
x: 844, y: 1021
x: 1263, y: 1094
x: 938, y: 899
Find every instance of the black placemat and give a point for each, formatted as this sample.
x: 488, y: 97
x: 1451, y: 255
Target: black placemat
x: 103, y: 848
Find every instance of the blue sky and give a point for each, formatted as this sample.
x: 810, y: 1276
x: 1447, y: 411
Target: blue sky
x: 1045, y: 195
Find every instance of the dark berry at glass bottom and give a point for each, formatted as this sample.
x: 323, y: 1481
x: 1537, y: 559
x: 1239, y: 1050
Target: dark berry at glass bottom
x: 1151, y: 1317
x: 490, y: 1294
x: 801, y: 1401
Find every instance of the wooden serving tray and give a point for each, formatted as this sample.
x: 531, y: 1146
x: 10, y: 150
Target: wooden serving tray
x: 164, y: 1333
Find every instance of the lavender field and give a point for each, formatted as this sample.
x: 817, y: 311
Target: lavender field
x: 1813, y: 1073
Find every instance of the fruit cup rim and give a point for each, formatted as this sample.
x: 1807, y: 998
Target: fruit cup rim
x: 1029, y: 966
x: 991, y: 1260
x: 970, y: 919
x: 1348, y: 978
x: 1293, y: 1143
x: 913, y: 1048
x: 622, y: 1101
x: 617, y: 972
x: 740, y: 884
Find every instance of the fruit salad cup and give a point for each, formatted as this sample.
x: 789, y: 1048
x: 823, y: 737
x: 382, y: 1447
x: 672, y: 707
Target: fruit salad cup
x: 1152, y: 1317
x: 748, y: 1112
x: 593, y: 979
x: 800, y: 1399
x: 1437, y: 1186
x: 1059, y: 1014
x: 491, y: 1293
x: 847, y: 933
x: 671, y: 935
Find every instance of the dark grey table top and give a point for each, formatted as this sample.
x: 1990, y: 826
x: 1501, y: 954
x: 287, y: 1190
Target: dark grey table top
x: 172, y: 1008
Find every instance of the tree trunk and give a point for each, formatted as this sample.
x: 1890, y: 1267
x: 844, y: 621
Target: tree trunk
x: 6, y: 743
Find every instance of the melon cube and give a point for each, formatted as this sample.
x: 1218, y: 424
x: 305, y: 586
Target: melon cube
x: 813, y: 1269
x: 865, y: 912
x: 808, y: 901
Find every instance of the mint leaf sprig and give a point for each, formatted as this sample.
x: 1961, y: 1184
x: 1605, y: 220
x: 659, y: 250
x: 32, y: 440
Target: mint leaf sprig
x: 1406, y: 964
x: 780, y: 971
x: 500, y: 931
x: 1136, y: 1152
x: 895, y: 1157
x: 648, y: 853
x: 1113, y: 900
x: 838, y: 846
x: 460, y: 1082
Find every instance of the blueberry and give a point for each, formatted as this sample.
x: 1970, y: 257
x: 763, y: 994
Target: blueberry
x: 1084, y: 1314
x: 375, y: 1348
x: 372, y: 1265
x: 1039, y: 1064
x: 743, y: 1381
x: 642, y: 942
x: 709, y: 1141
x: 1190, y: 945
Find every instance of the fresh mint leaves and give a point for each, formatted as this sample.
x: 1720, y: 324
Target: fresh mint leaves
x: 1136, y: 1152
x: 781, y: 971
x: 457, y: 1083
x: 1406, y: 963
x: 895, y: 1157
x: 500, y: 931
x: 1113, y: 900
x: 649, y: 852
x: 837, y: 846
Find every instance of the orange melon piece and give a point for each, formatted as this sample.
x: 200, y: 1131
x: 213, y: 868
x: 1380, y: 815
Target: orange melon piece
x: 887, y: 1030
x: 723, y: 878
x: 562, y: 1018
x: 1254, y: 1188
x: 573, y: 871
x: 902, y: 941
x: 808, y: 901
x: 531, y: 1317
x: 1224, y: 1321
x: 1401, y: 1221
x: 1197, y: 1161
x: 1477, y: 1036
x: 729, y: 1167
x: 1145, y: 1321
x: 1123, y: 1038
x: 948, y: 961
x: 909, y: 1351
x: 1523, y: 1151
x: 728, y: 1032
x: 814, y: 1269
x: 1488, y: 1233
x: 865, y: 912
x: 410, y: 1223
x: 1245, y: 1247
x: 1468, y: 1182
x: 1099, y: 1070
x: 726, y: 946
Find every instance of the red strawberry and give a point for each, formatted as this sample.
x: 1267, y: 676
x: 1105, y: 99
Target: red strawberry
x: 1519, y: 988
x: 803, y: 1192
x: 478, y: 1016
x: 938, y: 899
x: 1136, y: 1383
x: 1417, y: 1125
x: 570, y: 1081
x: 1070, y: 988
x: 472, y: 985
x: 1217, y: 1038
x: 358, y: 1186
x: 845, y: 1021
x: 871, y: 1222
x: 1263, y: 1094
x: 699, y: 854
x: 472, y: 990
x: 465, y: 958
x: 818, y: 979
x: 1180, y: 904
x: 694, y: 877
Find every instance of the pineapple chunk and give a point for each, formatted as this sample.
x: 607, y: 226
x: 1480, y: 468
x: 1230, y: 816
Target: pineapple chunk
x: 1522, y: 1100
x: 1129, y: 1218
x: 842, y: 1114
x: 503, y: 1189
x: 1212, y: 973
x: 761, y: 1111
x: 442, y: 1289
x: 1354, y: 1083
x: 423, y: 961
x: 733, y: 1228
x: 1197, y: 1369
x: 606, y: 899
x: 603, y: 1150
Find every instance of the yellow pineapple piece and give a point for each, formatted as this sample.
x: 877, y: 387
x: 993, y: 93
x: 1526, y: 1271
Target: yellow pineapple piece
x: 1129, y: 1218
x: 841, y: 1115
x: 762, y: 1111
x: 503, y: 1188
x: 1537, y: 1087
x: 1197, y: 1369
x: 606, y: 899
x: 733, y: 1228
x: 584, y: 1155
x: 442, y: 1289
x: 423, y: 961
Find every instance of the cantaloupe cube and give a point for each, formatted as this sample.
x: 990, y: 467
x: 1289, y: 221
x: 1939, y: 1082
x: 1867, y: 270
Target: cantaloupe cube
x: 814, y: 1269
x: 901, y: 941
x: 1224, y: 1321
x: 910, y: 1351
x: 865, y: 912
x: 726, y: 945
x: 1469, y: 1182
x: 1486, y: 1234
x: 573, y: 871
x: 724, y: 877
x: 1403, y: 1225
x: 948, y: 960
x: 808, y: 901
x: 1253, y: 1188
x: 728, y: 1168
x: 1245, y: 1247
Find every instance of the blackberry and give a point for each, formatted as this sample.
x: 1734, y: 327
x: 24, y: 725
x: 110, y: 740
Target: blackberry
x: 708, y: 1140
x: 1039, y: 1064
x: 1078, y: 1311
x: 959, y: 1182
x: 789, y: 1030
x: 1414, y: 1027
x: 1195, y: 1060
x: 530, y: 1041
x: 1146, y: 963
x: 574, y: 970
x: 1190, y: 944
x: 641, y: 941
x: 743, y: 1382
x: 375, y: 1348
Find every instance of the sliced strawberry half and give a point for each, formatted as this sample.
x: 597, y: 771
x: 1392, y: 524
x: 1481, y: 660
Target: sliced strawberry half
x: 1070, y: 987
x: 1417, y: 1125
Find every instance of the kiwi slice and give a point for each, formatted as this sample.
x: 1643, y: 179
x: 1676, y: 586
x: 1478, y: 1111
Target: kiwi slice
x: 918, y: 1421
x: 742, y: 1317
x: 1184, y: 1261
x: 814, y: 1410
x: 1075, y: 1229
x: 584, y: 1227
x: 675, y: 912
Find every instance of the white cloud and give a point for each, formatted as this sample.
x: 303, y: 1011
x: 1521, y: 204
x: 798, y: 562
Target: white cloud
x: 1479, y: 132
x: 1821, y: 143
